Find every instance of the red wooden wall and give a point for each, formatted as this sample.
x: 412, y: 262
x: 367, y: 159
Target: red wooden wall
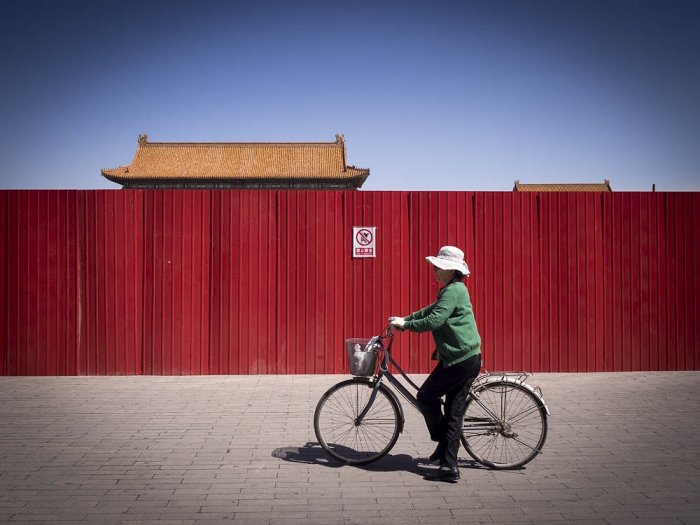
x: 263, y: 282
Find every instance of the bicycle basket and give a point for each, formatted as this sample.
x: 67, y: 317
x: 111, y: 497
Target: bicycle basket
x: 362, y: 356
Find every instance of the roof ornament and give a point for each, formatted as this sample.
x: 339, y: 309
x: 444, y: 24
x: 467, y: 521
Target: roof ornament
x: 143, y: 139
x: 339, y: 139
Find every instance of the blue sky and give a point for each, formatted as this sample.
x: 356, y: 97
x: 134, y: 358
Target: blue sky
x: 430, y: 95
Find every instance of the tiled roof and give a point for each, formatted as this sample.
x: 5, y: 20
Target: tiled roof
x: 605, y: 187
x: 220, y: 161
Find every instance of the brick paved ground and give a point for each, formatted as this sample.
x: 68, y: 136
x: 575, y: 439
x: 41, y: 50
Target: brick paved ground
x: 622, y: 448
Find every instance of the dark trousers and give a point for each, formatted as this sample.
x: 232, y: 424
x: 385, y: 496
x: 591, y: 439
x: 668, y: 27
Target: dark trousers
x: 453, y: 383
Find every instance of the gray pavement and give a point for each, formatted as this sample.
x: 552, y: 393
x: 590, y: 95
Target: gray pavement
x: 622, y: 448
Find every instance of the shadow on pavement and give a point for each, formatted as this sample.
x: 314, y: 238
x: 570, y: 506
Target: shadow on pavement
x: 312, y: 453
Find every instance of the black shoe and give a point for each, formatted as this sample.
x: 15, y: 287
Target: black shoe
x: 439, y: 451
x: 446, y: 474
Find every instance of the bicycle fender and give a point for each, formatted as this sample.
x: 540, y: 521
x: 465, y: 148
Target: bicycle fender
x: 514, y: 381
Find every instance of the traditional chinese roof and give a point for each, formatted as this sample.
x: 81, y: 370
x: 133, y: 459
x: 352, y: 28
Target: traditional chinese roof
x: 604, y: 187
x: 239, y: 164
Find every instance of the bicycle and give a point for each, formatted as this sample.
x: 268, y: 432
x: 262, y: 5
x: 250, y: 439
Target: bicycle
x: 359, y: 420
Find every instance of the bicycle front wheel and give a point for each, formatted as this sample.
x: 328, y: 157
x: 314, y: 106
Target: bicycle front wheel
x: 346, y: 439
x: 505, y: 425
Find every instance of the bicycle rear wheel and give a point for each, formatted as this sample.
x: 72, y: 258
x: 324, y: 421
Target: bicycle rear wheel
x: 339, y: 434
x: 505, y: 425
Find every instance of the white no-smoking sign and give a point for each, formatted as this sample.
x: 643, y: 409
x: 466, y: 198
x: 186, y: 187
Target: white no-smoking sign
x: 364, y: 241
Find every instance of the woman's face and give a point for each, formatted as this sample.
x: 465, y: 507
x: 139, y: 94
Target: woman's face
x: 443, y: 276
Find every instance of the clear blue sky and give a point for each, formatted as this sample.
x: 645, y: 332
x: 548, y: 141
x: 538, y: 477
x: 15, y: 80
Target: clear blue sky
x: 430, y: 95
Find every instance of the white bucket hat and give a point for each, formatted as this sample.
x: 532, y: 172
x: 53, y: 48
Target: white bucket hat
x: 450, y: 258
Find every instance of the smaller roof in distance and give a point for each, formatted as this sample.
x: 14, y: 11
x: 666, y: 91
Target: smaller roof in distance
x: 598, y: 187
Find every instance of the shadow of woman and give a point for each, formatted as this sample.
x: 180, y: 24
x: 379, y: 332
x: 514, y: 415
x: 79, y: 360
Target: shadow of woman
x: 312, y: 453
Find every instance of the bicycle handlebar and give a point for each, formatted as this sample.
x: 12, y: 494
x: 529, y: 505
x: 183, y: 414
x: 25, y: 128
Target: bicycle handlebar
x: 390, y: 329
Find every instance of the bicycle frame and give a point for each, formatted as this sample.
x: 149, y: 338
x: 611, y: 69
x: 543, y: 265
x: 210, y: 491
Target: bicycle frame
x: 384, y: 372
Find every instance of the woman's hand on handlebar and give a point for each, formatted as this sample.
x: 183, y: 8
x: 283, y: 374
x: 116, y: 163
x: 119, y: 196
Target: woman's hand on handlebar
x: 397, y: 323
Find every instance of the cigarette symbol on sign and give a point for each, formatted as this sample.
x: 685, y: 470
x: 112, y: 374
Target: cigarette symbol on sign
x: 363, y: 241
x: 364, y: 237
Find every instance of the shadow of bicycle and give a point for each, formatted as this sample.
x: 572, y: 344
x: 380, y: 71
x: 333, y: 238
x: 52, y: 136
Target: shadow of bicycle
x: 312, y: 453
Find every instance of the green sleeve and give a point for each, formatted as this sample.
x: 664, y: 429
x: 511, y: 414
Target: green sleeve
x: 420, y: 314
x: 433, y: 316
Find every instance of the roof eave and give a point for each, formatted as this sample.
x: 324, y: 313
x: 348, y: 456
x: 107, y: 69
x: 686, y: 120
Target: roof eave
x: 354, y: 182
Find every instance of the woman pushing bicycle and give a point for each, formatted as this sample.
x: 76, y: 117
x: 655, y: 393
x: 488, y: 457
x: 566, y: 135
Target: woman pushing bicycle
x: 458, y: 351
x: 499, y: 418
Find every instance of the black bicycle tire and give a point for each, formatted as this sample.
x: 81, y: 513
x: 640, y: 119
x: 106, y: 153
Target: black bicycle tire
x: 336, y: 450
x: 534, y: 450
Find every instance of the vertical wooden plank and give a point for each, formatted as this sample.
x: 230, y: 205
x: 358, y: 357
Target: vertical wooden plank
x: 282, y: 313
x: 635, y: 281
x: 235, y: 304
x: 88, y: 281
x: 544, y: 326
x: 691, y: 283
x: 520, y: 264
x: 607, y: 284
x: 530, y: 281
x: 488, y: 311
x: 482, y: 277
x: 683, y: 217
x: 546, y: 279
x: 597, y: 241
x: 503, y: 203
x: 35, y: 316
x: 562, y: 289
x: 4, y: 299
x: 217, y: 283
x: 567, y: 278
x: 644, y: 319
x: 163, y: 304
x: 581, y: 265
x: 667, y: 284
x: 149, y: 287
x: 615, y: 337
x: 240, y: 288
x: 13, y: 308
x: 693, y: 310
x: 653, y: 307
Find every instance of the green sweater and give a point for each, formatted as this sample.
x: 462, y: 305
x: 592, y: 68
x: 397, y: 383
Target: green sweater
x: 451, y: 319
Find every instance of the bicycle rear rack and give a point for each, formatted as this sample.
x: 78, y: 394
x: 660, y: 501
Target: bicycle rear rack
x: 487, y: 377
x: 513, y: 377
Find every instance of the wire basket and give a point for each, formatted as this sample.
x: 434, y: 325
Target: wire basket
x: 362, y: 356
